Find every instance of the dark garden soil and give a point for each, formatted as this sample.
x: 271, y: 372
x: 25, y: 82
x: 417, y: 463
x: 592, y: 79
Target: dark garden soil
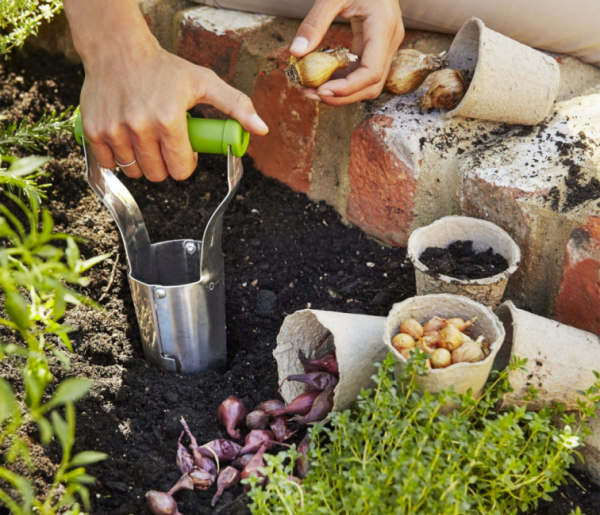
x: 461, y: 261
x: 282, y: 253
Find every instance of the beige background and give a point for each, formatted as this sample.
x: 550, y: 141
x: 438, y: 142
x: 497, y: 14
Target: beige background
x: 562, y: 26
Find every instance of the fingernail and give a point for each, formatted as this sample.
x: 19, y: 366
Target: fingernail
x: 312, y: 96
x: 299, y: 45
x: 326, y: 93
x: 258, y: 123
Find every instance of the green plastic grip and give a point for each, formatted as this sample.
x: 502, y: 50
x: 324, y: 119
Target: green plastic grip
x: 206, y: 136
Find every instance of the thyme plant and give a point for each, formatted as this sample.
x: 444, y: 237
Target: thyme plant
x: 21, y: 18
x: 397, y: 453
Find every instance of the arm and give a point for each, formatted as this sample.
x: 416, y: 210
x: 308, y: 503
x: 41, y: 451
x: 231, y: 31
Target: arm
x: 135, y: 95
x: 378, y: 32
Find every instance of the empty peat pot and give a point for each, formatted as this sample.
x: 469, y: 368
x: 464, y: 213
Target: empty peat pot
x: 483, y: 234
x: 512, y: 82
x: 358, y: 344
x: 560, y: 359
x: 461, y: 376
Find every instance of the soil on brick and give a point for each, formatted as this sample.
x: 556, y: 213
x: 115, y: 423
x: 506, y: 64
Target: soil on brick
x: 282, y: 253
x: 461, y: 261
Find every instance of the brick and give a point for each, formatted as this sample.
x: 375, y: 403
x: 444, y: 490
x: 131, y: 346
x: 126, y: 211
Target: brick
x: 404, y: 166
x: 287, y: 152
x: 578, y: 302
x: 539, y: 184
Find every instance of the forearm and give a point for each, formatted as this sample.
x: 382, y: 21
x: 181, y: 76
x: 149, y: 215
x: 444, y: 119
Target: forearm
x: 102, y: 27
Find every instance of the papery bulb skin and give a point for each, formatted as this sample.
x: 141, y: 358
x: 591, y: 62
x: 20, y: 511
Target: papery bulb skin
x: 410, y: 68
x: 202, y: 479
x: 403, y: 341
x: 161, y: 503
x: 301, y: 405
x: 407, y: 352
x: 253, y: 465
x: 221, y: 449
x: 270, y: 406
x: 229, y: 477
x: 435, y: 324
x: 257, y: 419
x: 320, y: 409
x: 279, y: 427
x: 184, y: 459
x: 241, y: 461
x: 316, y: 68
x: 256, y: 438
x: 451, y: 338
x: 326, y: 363
x: 446, y: 90
x: 231, y: 414
x: 207, y: 464
x: 314, y: 380
x: 469, y: 352
x: 441, y: 358
x: 302, y: 462
x: 412, y: 328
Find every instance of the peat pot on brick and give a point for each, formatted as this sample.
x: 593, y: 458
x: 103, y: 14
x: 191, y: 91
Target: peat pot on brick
x: 484, y: 235
x: 461, y: 376
x: 356, y: 339
x: 512, y: 82
x: 560, y: 359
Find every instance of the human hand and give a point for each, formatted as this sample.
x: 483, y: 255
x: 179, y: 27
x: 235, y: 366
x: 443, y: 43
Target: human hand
x: 136, y: 95
x: 378, y: 31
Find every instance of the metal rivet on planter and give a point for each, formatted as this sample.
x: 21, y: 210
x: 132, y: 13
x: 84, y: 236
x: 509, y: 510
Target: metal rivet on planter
x: 211, y: 286
x: 160, y: 293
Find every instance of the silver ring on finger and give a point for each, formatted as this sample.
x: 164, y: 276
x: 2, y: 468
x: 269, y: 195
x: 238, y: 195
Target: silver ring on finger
x: 125, y: 166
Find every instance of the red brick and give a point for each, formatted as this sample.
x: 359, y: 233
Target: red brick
x: 382, y: 186
x: 287, y: 152
x: 578, y: 302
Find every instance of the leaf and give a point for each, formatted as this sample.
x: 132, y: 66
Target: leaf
x: 87, y: 458
x: 8, y: 404
x: 61, y: 430
x: 72, y: 253
x: 46, y: 432
x: 69, y: 390
x: 17, y: 308
x: 89, y: 263
x: 62, y: 357
x: 23, y: 485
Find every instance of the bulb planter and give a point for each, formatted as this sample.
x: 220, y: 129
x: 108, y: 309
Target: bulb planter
x: 484, y: 234
x: 512, y: 82
x: 357, y: 340
x: 560, y: 358
x: 461, y: 376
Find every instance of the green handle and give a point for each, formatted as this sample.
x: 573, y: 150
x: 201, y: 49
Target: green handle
x: 206, y: 136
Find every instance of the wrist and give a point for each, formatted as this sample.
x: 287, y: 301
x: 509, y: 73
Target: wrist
x: 103, y: 30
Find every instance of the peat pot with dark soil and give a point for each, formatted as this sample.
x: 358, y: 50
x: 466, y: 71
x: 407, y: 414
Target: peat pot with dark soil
x: 463, y: 256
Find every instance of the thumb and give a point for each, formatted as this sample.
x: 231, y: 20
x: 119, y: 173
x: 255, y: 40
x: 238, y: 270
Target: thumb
x: 315, y: 25
x: 216, y: 92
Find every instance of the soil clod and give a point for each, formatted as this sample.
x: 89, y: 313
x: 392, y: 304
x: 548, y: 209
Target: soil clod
x: 461, y: 261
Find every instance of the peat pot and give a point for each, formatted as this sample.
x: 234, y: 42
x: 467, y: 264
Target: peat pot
x: 484, y: 234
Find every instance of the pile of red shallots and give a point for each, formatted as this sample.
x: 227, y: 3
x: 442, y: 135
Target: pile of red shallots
x: 227, y: 462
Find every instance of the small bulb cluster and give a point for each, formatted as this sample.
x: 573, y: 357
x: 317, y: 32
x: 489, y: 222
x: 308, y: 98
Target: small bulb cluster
x: 446, y: 341
x: 408, y: 71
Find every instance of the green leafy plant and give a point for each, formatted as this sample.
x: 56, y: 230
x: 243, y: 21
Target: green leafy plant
x: 34, y: 278
x: 21, y: 18
x: 33, y: 136
x: 396, y: 452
